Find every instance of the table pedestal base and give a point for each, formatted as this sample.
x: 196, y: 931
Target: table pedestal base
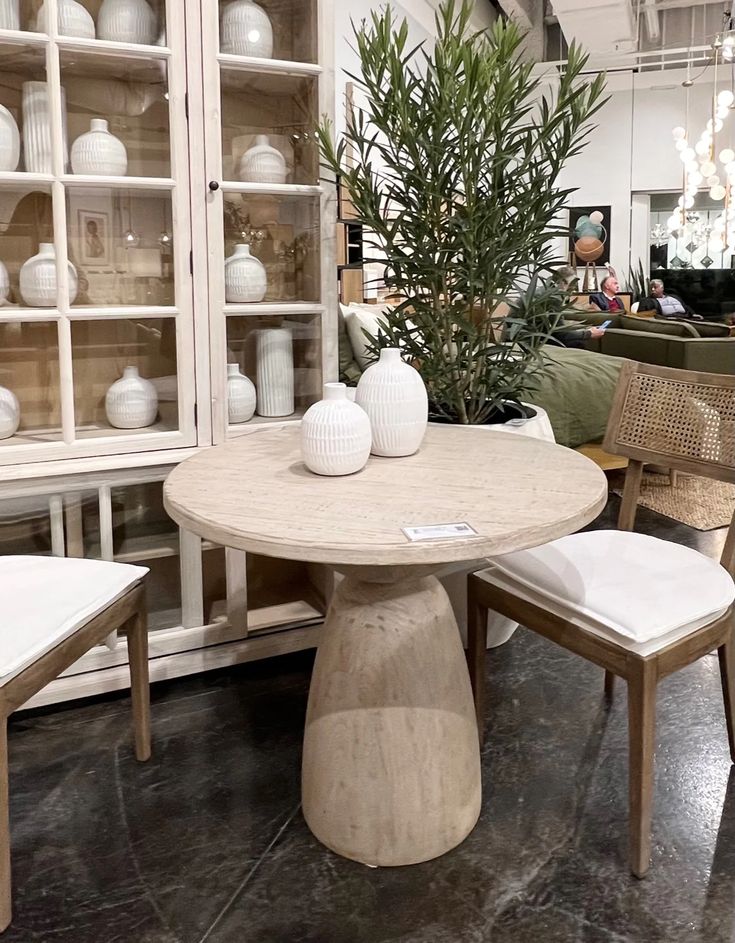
x: 391, y: 770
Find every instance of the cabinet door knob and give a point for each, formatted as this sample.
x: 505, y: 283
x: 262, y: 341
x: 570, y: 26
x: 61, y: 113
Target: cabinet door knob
x: 213, y: 185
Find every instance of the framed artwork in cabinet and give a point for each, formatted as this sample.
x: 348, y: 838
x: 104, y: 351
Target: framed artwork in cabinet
x: 96, y: 241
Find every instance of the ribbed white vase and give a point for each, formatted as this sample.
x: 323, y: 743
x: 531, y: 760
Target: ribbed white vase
x: 9, y: 14
x: 335, y: 434
x: 393, y: 395
x: 274, y: 355
x: 245, y: 277
x: 9, y: 140
x: 37, y: 128
x: 74, y: 20
x: 9, y: 413
x: 246, y: 30
x: 126, y: 21
x: 262, y: 163
x: 38, y: 278
x: 99, y: 152
x: 4, y: 283
x: 241, y: 395
x: 132, y: 401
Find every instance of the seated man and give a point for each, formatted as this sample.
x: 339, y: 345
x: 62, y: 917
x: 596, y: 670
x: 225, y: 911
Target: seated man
x: 666, y: 304
x: 571, y: 336
x: 606, y: 299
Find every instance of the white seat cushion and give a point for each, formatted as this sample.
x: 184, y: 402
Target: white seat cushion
x: 44, y: 600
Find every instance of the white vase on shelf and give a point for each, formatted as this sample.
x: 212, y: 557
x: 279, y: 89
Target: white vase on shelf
x: 335, y: 434
x: 132, y: 401
x: 262, y: 163
x: 393, y: 395
x: 9, y: 140
x: 37, y: 150
x: 9, y: 413
x: 245, y: 277
x: 99, y: 152
x: 9, y: 14
x: 74, y: 20
x: 38, y: 278
x: 241, y: 395
x: 4, y: 283
x: 274, y: 357
x: 246, y: 30
x: 126, y: 21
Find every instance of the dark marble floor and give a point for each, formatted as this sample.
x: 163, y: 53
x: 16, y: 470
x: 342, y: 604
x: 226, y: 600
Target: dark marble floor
x: 207, y: 843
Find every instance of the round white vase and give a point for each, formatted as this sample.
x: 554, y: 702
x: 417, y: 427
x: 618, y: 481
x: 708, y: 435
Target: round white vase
x: 9, y: 140
x: 245, y: 277
x: 98, y: 152
x: 38, y: 278
x: 393, y: 395
x: 274, y: 356
x: 241, y: 395
x: 74, y: 20
x: 246, y: 30
x: 9, y: 14
x: 262, y: 163
x: 9, y: 413
x: 335, y: 434
x: 126, y: 21
x: 4, y: 283
x: 131, y: 402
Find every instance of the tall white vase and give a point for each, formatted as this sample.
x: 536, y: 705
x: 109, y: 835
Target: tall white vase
x: 37, y: 128
x: 245, y: 277
x: 241, y: 395
x: 126, y: 21
x: 393, y: 395
x: 9, y: 413
x: 74, y: 20
x: 262, y: 163
x: 246, y: 30
x: 9, y: 140
x: 274, y: 354
x: 38, y: 278
x: 335, y: 434
x: 99, y: 152
x: 9, y: 14
x: 4, y: 283
x: 131, y: 402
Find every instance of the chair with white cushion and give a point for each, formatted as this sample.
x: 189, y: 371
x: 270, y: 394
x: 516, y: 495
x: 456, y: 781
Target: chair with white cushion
x: 52, y: 611
x: 637, y: 606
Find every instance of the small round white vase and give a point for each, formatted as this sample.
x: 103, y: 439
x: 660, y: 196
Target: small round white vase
x: 241, y: 395
x: 74, y: 20
x: 99, y: 152
x: 335, y: 434
x: 126, y: 21
x: 132, y: 401
x: 274, y: 357
x: 9, y: 140
x: 246, y: 30
x: 38, y: 278
x: 245, y: 277
x: 9, y: 413
x: 393, y: 395
x: 262, y: 163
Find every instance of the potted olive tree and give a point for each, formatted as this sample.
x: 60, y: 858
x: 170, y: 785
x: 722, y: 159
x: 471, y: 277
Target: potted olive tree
x: 454, y: 157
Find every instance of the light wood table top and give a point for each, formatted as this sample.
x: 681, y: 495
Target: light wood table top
x: 516, y: 492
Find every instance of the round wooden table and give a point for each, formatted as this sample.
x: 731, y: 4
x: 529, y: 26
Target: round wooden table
x: 391, y: 767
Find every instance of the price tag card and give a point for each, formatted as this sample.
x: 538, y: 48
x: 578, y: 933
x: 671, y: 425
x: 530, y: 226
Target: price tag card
x: 439, y: 531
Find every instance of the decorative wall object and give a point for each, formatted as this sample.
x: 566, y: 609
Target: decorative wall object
x: 393, y: 395
x: 95, y: 249
x: 126, y: 21
x: 38, y: 278
x: 9, y: 140
x: 37, y: 151
x: 589, y: 233
x: 131, y: 402
x: 275, y: 372
x: 246, y: 30
x: 241, y: 395
x: 4, y: 283
x: 74, y: 20
x: 9, y: 14
x: 262, y: 163
x: 245, y: 277
x: 99, y: 152
x: 9, y: 413
x: 335, y: 434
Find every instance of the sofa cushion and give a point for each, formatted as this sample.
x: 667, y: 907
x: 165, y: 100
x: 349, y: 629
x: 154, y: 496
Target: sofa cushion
x: 359, y: 319
x: 630, y: 322
x: 711, y: 329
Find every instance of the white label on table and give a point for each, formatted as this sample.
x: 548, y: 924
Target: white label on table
x: 439, y: 531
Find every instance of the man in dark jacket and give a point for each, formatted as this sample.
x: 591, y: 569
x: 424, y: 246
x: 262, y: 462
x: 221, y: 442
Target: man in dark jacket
x: 666, y: 304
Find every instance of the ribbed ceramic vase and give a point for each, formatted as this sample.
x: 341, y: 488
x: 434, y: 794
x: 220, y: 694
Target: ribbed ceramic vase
x: 9, y: 14
x: 393, y: 395
x: 262, y: 163
x: 38, y: 278
x: 274, y: 354
x: 335, y: 434
x: 131, y: 402
x: 74, y: 20
x: 240, y: 395
x: 9, y: 140
x: 245, y: 277
x: 4, y: 283
x: 99, y: 152
x: 37, y: 151
x: 246, y: 30
x: 126, y: 21
x: 9, y: 413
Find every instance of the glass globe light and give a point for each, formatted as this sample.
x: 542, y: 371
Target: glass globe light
x: 678, y: 133
x: 725, y: 98
x: 713, y: 180
x: 687, y: 154
x: 727, y: 156
x: 701, y: 147
x: 708, y: 168
x: 717, y: 192
x: 681, y: 144
x: 722, y: 113
x: 695, y: 178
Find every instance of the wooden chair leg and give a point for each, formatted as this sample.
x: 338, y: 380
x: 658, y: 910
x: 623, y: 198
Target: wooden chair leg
x: 726, y: 655
x: 477, y: 654
x: 641, y: 746
x: 137, y: 631
x: 673, y: 478
x: 6, y: 893
x: 609, y: 686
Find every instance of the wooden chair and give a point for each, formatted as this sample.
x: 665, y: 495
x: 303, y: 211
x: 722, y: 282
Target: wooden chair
x: 673, y: 604
x: 53, y: 610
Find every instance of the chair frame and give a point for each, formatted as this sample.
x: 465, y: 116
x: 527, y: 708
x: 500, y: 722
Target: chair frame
x: 129, y: 612
x: 642, y: 673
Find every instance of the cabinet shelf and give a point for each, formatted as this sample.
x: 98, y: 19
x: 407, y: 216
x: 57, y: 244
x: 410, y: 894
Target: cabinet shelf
x: 274, y: 307
x: 272, y: 66
x: 241, y: 428
x: 272, y: 189
x: 150, y: 547
x: 21, y: 37
x: 106, y: 46
x: 20, y: 179
x: 270, y: 618
x: 116, y: 183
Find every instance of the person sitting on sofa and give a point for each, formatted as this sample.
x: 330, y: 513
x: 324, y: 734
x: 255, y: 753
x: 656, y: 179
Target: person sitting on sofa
x: 606, y: 299
x: 666, y: 304
x: 566, y: 278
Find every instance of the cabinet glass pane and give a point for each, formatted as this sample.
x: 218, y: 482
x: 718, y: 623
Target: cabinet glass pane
x: 25, y: 115
x: 141, y: 21
x: 26, y: 222
x: 283, y: 29
x: 25, y: 526
x: 29, y: 368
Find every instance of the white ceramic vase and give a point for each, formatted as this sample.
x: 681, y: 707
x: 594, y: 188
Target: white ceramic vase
x: 38, y: 278
x: 335, y: 434
x: 274, y: 357
x: 245, y: 277
x: 126, y: 21
x: 246, y: 30
x: 9, y: 14
x: 131, y: 402
x: 393, y: 395
x: 37, y: 150
x: 9, y: 140
x: 9, y: 413
x: 4, y: 283
x: 74, y: 20
x: 262, y: 163
x: 99, y: 152
x: 240, y: 395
